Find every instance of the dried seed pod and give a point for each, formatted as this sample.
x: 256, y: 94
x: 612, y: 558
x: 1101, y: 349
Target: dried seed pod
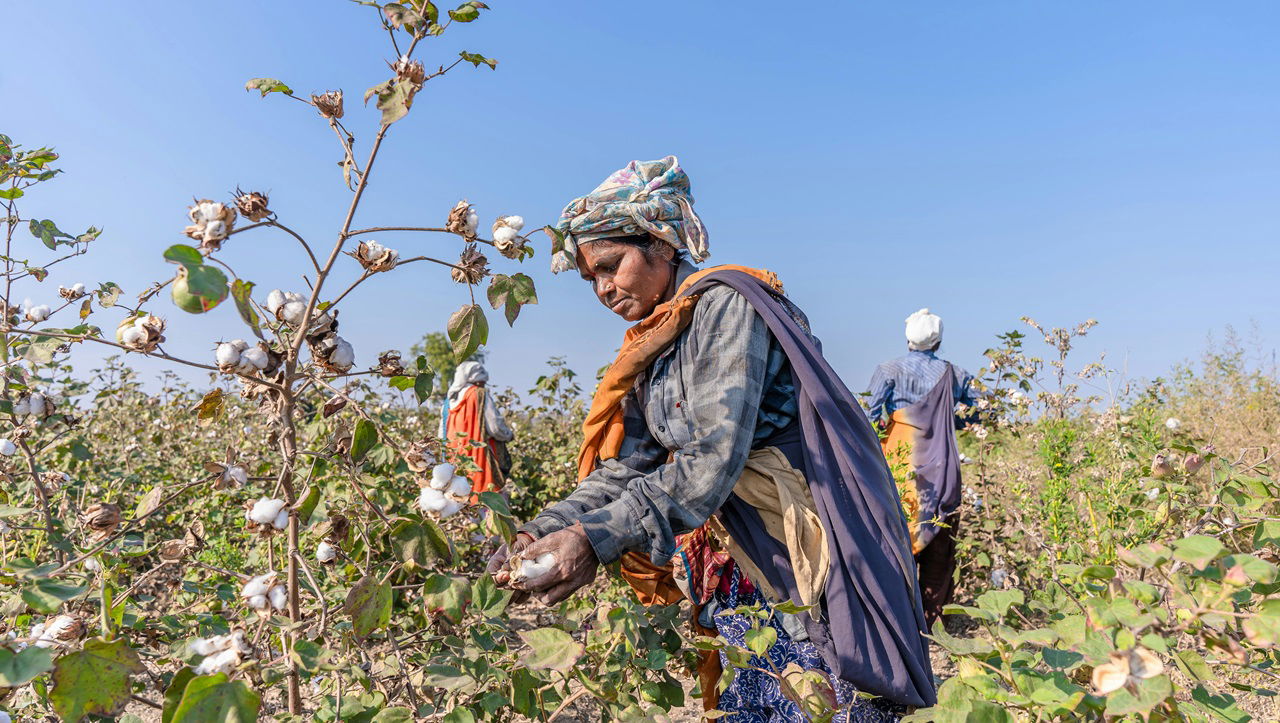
x: 472, y: 266
x: 54, y: 480
x: 463, y: 220
x: 389, y: 364
x: 336, y: 529
x: 1192, y: 463
x: 334, y: 405
x: 252, y: 205
x: 409, y: 71
x: 421, y: 457
x: 211, y: 222
x: 329, y: 103
x: 506, y: 236
x: 375, y: 257
x: 101, y: 519
x: 1161, y: 466
x: 71, y: 294
x: 333, y: 354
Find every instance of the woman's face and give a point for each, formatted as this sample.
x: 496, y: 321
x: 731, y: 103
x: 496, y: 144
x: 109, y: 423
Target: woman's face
x: 627, y: 281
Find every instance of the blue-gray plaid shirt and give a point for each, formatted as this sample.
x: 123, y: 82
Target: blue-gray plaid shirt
x: 906, y: 380
x: 723, y: 388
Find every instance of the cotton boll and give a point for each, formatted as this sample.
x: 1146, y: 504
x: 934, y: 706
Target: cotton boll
x: 259, y: 602
x: 473, y: 221
x: 460, y: 487
x: 236, y: 475
x: 22, y: 407
x: 132, y: 336
x: 264, y: 511
x: 7, y: 448
x: 504, y: 235
x: 279, y: 597
x: 533, y: 569
x: 515, y: 222
x: 222, y: 662
x: 326, y: 552
x: 343, y: 355
x: 77, y: 289
x: 292, y: 312
x: 38, y: 313
x: 227, y: 355
x: 275, y: 300
x: 281, y: 520
x: 1172, y: 424
x: 259, y: 585
x: 431, y: 500
x: 205, y: 646
x: 451, y: 508
x: 441, y: 475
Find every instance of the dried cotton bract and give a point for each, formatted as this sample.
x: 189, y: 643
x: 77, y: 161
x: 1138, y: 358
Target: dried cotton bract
x: 375, y: 257
x: 329, y: 104
x: 463, y: 220
x: 252, y: 205
x: 211, y: 222
x: 141, y: 333
x: 334, y: 354
x: 101, y: 519
x: 506, y: 236
x: 410, y: 71
x: 472, y: 266
x: 1126, y: 668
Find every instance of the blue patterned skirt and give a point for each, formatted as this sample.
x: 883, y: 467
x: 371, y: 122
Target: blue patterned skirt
x: 754, y: 697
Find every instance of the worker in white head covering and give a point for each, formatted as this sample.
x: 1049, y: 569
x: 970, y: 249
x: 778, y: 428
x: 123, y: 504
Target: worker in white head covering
x: 472, y: 424
x: 914, y: 399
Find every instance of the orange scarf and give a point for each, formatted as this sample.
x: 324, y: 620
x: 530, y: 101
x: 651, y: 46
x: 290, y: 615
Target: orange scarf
x: 602, y: 435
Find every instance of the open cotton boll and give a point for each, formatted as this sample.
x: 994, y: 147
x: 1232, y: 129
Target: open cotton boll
x: 515, y: 222
x: 22, y: 407
x: 38, y: 313
x: 441, y: 474
x: 227, y: 354
x: 343, y: 355
x: 221, y: 662
x: 281, y: 520
x: 473, y: 221
x: 132, y: 336
x: 206, y: 646
x: 505, y: 234
x: 451, y: 508
x: 259, y: 585
x: 275, y: 300
x: 278, y: 596
x: 293, y: 311
x: 264, y: 511
x: 7, y: 448
x: 1172, y: 423
x: 326, y: 552
x: 259, y: 602
x: 460, y: 487
x: 532, y: 569
x: 236, y: 474
x: 431, y: 500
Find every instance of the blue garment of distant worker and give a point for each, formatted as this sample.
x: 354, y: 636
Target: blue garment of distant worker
x: 906, y: 380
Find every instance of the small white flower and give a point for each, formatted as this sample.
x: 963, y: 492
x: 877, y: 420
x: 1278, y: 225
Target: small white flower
x: 7, y: 448
x: 1172, y: 424
x: 980, y: 432
x: 264, y: 511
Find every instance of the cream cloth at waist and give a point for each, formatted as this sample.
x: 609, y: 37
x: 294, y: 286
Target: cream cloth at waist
x: 780, y: 493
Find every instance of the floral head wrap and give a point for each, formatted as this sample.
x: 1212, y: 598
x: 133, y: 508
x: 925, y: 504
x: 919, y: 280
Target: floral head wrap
x: 650, y: 197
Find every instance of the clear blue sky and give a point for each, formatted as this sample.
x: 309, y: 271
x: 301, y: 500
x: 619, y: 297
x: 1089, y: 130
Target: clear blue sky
x: 984, y: 159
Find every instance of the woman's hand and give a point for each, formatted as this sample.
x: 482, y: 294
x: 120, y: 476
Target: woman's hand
x: 498, y: 564
x: 575, y: 565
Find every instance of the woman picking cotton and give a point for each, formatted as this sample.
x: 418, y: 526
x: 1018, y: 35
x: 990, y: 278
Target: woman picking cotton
x: 724, y: 462
x: 473, y: 425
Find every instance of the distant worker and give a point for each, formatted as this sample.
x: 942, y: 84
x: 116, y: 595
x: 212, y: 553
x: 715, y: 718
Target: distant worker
x: 913, y: 400
x: 470, y: 416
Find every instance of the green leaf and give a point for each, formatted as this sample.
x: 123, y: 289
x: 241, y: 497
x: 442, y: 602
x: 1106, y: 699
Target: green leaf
x: 214, y: 699
x: 760, y: 639
x: 1263, y: 629
x: 240, y: 292
x: 267, y: 85
x: 1198, y: 550
x: 308, y: 655
x: 11, y: 193
x: 550, y: 649
x: 959, y: 646
x: 94, y: 680
x: 413, y: 545
x: 308, y: 505
x: 173, y: 694
x: 369, y: 605
x: 399, y: 15
x: 401, y: 383
x: 393, y: 715
x: 1266, y: 533
x: 476, y: 59
x: 488, y: 598
x: 10, y: 511
x: 1152, y: 554
x: 1193, y: 665
x: 108, y: 293
x: 184, y: 255
x: 467, y: 12
x: 468, y: 330
x: 19, y: 668
x: 1223, y: 707
x: 422, y: 386
x: 998, y: 602
x: 510, y: 293
x: 394, y: 99
x: 365, y: 436
x: 446, y: 595
x: 46, y: 595
x: 1150, y: 693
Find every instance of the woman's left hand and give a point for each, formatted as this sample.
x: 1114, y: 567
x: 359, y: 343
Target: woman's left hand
x: 576, y: 565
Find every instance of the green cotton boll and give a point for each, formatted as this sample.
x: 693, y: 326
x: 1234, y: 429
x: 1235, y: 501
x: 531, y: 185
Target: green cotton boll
x: 199, y: 289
